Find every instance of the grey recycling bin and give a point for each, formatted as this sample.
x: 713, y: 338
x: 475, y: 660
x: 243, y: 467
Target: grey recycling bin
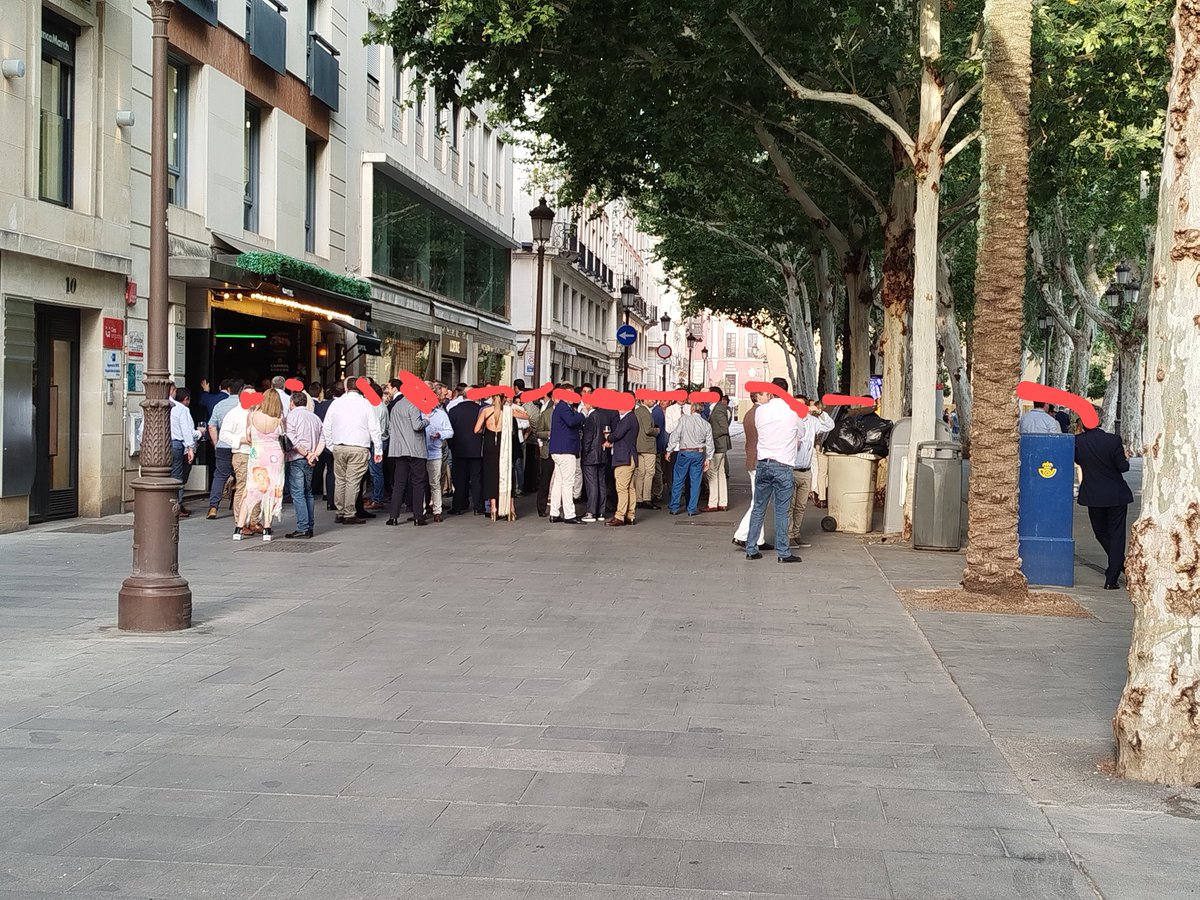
x: 937, y: 496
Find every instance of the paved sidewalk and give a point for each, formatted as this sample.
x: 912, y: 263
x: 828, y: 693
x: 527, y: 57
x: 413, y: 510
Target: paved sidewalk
x: 528, y: 711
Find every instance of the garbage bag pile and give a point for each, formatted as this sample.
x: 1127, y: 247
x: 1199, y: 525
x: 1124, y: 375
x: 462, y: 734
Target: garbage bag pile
x: 851, y: 434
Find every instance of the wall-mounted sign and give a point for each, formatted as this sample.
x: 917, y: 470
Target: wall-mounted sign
x: 114, y: 334
x: 135, y: 343
x: 134, y: 373
x: 112, y: 363
x: 455, y: 346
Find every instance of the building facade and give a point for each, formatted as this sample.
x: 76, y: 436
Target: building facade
x: 326, y: 218
x: 592, y: 252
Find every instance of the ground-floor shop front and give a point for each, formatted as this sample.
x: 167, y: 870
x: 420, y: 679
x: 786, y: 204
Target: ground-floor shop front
x: 61, y: 388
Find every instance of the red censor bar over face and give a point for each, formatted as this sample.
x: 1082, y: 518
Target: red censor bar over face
x: 364, y: 387
x: 294, y: 384
x: 490, y: 391
x: 533, y: 395
x: 846, y: 400
x: 703, y: 397
x: 769, y: 387
x: 1040, y: 393
x: 649, y: 396
x: 250, y: 399
x: 567, y: 396
x: 605, y: 398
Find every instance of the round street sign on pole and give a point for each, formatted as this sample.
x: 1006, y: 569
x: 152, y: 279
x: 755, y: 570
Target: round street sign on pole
x: 626, y: 335
x: 663, y: 351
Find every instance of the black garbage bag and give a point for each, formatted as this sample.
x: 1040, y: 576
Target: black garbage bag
x: 847, y: 436
x: 877, y: 431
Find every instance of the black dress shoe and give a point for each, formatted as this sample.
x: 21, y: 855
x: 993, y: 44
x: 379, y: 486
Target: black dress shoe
x: 543, y: 513
x: 673, y: 512
x: 696, y: 513
x: 653, y: 506
x: 789, y: 559
x: 420, y: 521
x: 753, y: 556
x: 367, y: 515
x: 555, y: 519
x: 330, y: 507
x: 571, y: 522
x: 738, y: 543
x: 1110, y: 586
x: 391, y: 522
x: 296, y: 534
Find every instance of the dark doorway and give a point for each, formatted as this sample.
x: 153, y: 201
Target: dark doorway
x: 256, y: 349
x: 55, y: 492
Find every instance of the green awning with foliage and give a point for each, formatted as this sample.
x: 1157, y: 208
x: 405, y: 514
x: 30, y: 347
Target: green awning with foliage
x: 298, y: 270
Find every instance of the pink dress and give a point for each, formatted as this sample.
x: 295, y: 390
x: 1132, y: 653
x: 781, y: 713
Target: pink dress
x: 264, y: 474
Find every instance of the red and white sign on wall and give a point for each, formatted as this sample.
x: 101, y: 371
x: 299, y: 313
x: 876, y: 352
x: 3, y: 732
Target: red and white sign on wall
x: 114, y: 334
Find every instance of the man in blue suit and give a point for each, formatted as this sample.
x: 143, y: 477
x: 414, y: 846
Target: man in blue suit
x: 566, y: 423
x: 1103, y: 490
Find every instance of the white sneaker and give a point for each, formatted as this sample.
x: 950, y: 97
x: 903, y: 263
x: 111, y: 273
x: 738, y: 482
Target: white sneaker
x: 237, y: 534
x: 589, y: 519
x: 267, y: 535
x: 802, y: 544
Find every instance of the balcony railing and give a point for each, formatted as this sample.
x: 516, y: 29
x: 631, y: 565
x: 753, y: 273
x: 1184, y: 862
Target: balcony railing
x: 323, y: 70
x: 266, y: 32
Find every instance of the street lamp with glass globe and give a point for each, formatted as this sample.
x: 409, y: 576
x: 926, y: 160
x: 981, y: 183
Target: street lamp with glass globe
x: 665, y: 322
x: 1045, y: 326
x: 692, y: 341
x: 541, y: 217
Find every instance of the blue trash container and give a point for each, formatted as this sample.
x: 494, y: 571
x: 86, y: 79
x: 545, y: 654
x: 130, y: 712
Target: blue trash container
x: 1045, y: 516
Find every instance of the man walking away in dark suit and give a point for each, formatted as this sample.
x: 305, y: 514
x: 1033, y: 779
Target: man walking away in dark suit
x: 1105, y: 494
x: 466, y: 447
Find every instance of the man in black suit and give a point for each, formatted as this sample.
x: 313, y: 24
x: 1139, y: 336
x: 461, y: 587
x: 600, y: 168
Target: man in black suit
x: 1104, y: 492
x: 466, y: 448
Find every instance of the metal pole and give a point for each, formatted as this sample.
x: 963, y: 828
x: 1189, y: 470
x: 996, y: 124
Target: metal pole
x: 689, y: 371
x: 625, y: 361
x: 1120, y: 390
x: 1046, y: 357
x: 537, y: 326
x: 154, y: 597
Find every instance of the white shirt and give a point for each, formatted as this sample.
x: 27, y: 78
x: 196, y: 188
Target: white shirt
x: 672, y: 414
x: 286, y: 399
x: 183, y: 429
x: 439, y: 424
x: 1038, y: 421
x: 233, y: 430
x: 810, y: 427
x: 453, y: 403
x: 779, y: 431
x: 352, y: 422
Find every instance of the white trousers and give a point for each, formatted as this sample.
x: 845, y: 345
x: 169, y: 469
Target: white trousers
x: 562, y: 485
x: 743, y: 529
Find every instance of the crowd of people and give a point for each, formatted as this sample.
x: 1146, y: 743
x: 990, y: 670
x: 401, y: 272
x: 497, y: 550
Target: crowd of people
x: 581, y: 464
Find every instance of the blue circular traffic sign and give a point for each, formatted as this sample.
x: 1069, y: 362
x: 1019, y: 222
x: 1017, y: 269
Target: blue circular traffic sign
x: 626, y: 335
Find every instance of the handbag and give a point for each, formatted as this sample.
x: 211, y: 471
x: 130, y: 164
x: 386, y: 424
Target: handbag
x: 286, y: 444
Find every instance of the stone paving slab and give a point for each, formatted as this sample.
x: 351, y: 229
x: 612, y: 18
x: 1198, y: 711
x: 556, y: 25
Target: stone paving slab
x: 512, y: 710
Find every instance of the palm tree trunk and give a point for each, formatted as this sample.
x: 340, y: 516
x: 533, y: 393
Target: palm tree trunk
x: 993, y: 562
x: 1157, y: 725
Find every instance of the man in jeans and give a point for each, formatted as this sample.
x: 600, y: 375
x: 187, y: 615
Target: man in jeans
x: 817, y: 422
x: 183, y: 441
x: 692, y: 442
x: 304, y: 430
x: 351, y: 429
x: 566, y: 422
x: 779, y: 432
x: 222, y: 449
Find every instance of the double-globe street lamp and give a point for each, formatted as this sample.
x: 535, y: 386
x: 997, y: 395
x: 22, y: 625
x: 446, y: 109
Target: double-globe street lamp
x: 155, y: 597
x: 1122, y: 293
x: 542, y: 219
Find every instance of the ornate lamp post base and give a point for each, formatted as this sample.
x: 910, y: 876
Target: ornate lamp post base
x: 155, y: 597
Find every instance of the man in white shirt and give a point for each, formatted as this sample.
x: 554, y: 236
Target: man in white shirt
x: 779, y: 432
x: 351, y: 431
x: 1038, y: 421
x: 278, y: 385
x: 816, y: 422
x: 183, y: 441
x: 233, y: 435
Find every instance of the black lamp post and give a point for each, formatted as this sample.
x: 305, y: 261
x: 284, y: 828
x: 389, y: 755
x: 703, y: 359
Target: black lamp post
x: 1045, y: 325
x: 628, y: 297
x: 665, y: 322
x: 704, y: 358
x: 692, y: 341
x: 1121, y: 293
x: 542, y: 219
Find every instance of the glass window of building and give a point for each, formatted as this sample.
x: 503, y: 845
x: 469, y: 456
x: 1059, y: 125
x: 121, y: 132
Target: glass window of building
x: 731, y: 344
x: 250, y: 152
x: 311, y: 155
x: 56, y: 170
x: 418, y: 245
x: 177, y: 106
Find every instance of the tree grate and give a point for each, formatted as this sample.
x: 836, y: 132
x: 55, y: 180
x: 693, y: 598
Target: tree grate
x: 94, y: 529
x: 281, y: 545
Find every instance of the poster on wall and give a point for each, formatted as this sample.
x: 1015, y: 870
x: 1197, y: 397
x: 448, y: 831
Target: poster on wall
x: 135, y: 344
x: 134, y: 373
x: 180, y: 353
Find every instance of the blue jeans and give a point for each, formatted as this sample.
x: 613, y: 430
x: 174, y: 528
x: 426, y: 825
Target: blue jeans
x: 772, y: 481
x: 179, y: 466
x: 689, y: 464
x: 222, y: 472
x: 376, y: 470
x: 299, y: 479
